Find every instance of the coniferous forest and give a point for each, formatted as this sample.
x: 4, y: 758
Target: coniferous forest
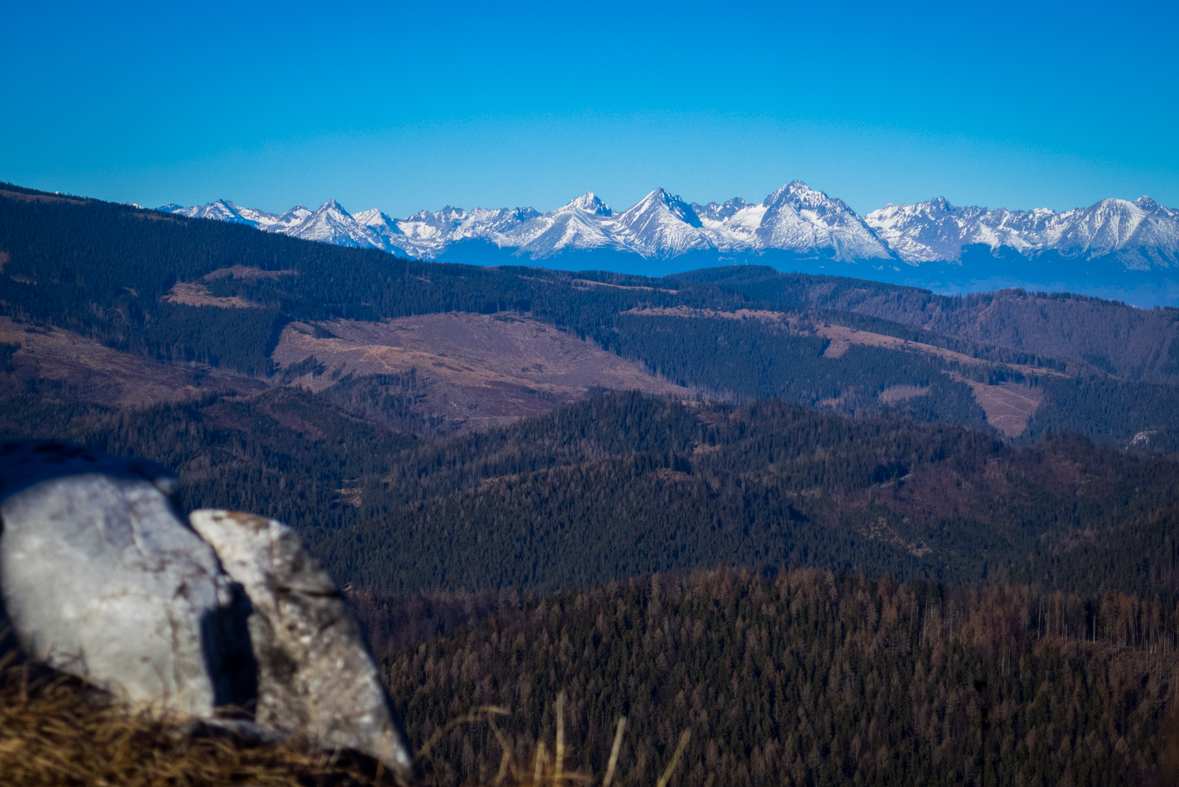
x: 829, y: 532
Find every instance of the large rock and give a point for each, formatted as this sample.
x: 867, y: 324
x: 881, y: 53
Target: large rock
x: 102, y: 580
x: 314, y: 672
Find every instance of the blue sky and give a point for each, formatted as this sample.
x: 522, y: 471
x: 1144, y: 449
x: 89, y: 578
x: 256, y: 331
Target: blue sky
x: 409, y: 106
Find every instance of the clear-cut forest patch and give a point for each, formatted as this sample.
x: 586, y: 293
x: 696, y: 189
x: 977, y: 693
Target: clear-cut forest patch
x: 193, y: 294
x: 62, y: 364
x: 472, y: 369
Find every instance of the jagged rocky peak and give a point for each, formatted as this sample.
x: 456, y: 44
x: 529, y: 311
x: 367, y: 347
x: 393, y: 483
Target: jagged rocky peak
x: 662, y: 200
x: 1150, y: 206
x: 720, y: 211
x: 331, y: 206
x: 800, y: 196
x: 591, y: 203
x: 496, y: 219
x: 448, y: 215
x: 528, y: 214
x: 373, y: 217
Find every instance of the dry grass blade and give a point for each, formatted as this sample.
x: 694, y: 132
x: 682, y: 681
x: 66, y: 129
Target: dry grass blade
x: 675, y: 758
x: 614, y: 752
x: 560, y: 754
x: 504, y: 762
x: 469, y: 718
x: 505, y: 744
x: 538, y: 772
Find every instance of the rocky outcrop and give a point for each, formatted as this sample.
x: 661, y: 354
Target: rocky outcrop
x: 313, y: 669
x: 101, y: 580
x: 229, y: 617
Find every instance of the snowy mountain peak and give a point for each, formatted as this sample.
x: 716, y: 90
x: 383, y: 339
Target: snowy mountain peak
x: 786, y: 192
x: 332, y: 206
x: 661, y: 199
x: 373, y: 216
x: 590, y: 203
x: 380, y: 224
x: 224, y: 210
x: 799, y: 218
x: 799, y: 195
x: 662, y: 225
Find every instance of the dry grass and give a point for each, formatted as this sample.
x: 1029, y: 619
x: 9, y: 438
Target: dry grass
x: 542, y: 768
x: 246, y: 273
x: 57, y: 731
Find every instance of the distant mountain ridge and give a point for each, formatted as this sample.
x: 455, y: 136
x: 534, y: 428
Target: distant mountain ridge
x: 794, y: 218
x: 1140, y: 234
x: 794, y: 223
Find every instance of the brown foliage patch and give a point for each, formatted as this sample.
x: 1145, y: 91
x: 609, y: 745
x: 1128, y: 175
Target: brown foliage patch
x: 476, y: 371
x: 193, y: 294
x: 246, y: 273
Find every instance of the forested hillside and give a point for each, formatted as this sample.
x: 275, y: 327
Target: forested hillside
x: 1108, y: 336
x: 804, y: 678
x: 625, y: 484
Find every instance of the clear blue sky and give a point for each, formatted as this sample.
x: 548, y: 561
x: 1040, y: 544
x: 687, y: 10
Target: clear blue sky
x: 409, y: 106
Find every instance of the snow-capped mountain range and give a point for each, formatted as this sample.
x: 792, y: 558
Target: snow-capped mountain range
x: 1141, y: 234
x: 797, y: 219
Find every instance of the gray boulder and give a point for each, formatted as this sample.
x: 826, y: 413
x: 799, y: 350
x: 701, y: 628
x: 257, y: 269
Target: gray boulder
x: 220, y: 620
x: 102, y: 580
x: 314, y: 672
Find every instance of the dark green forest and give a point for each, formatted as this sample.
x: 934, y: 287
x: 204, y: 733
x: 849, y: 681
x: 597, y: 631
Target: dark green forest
x: 1061, y: 330
x: 625, y: 484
